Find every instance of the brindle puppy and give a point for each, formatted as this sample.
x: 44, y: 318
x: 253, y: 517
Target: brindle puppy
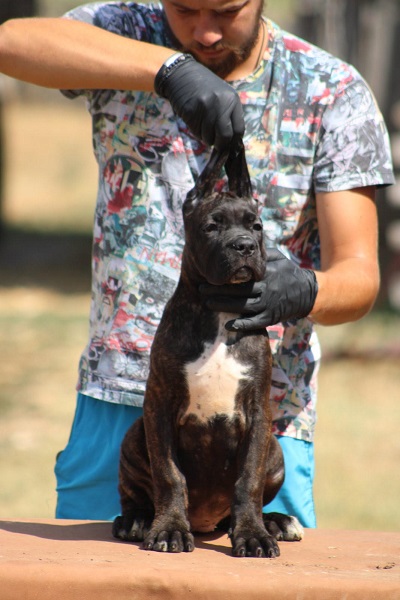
x: 203, y: 455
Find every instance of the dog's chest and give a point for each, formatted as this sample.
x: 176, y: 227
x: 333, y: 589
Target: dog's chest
x: 213, y: 379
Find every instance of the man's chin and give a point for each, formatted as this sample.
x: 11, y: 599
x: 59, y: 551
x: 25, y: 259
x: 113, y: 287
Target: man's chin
x: 222, y: 67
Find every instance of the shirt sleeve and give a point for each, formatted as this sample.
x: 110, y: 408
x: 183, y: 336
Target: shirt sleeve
x: 354, y: 148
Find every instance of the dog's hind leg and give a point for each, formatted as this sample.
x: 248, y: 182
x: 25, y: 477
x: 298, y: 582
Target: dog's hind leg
x: 283, y: 527
x: 280, y: 526
x: 135, y: 488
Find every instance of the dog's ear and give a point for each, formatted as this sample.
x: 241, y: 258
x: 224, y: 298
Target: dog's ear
x: 234, y: 160
x: 237, y: 171
x: 207, y: 179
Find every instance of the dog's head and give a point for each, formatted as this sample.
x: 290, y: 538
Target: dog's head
x: 223, y: 232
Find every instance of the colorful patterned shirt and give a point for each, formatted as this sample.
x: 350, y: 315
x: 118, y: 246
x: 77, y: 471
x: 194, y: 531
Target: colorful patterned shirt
x: 312, y: 125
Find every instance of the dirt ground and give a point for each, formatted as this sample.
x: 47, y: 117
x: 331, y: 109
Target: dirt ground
x: 44, y: 303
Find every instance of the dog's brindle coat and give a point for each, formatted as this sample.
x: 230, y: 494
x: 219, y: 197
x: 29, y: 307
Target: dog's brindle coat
x: 203, y: 453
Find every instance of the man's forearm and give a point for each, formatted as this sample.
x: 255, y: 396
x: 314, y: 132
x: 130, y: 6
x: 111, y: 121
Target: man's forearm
x: 348, y: 282
x: 64, y: 54
x: 346, y: 292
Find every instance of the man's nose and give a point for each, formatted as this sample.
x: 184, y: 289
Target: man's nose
x: 207, y: 31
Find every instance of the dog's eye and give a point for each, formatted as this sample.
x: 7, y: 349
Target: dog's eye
x: 257, y: 226
x: 211, y: 227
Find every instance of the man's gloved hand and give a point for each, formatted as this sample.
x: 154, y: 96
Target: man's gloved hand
x: 286, y: 292
x: 209, y: 106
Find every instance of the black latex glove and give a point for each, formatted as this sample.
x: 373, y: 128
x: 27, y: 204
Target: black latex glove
x: 209, y: 106
x: 286, y: 292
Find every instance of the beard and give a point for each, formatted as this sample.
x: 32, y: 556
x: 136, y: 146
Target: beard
x: 236, y: 56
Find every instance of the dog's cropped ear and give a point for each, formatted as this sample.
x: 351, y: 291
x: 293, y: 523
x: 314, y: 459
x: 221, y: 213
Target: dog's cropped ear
x: 207, y: 179
x: 237, y: 171
x: 234, y: 160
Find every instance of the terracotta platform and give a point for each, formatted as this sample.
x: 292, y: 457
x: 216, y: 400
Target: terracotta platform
x: 79, y: 560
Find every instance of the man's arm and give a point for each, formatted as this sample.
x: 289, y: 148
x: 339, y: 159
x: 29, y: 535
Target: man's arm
x: 65, y: 54
x: 349, y: 278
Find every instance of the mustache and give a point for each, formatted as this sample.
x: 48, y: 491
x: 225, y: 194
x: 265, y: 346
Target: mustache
x: 220, y: 45
x: 217, y: 47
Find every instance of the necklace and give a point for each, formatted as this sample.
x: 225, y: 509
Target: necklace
x: 262, y: 44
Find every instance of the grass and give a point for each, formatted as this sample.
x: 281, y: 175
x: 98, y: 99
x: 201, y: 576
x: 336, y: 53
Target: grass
x: 41, y: 335
x: 43, y: 330
x: 357, y: 445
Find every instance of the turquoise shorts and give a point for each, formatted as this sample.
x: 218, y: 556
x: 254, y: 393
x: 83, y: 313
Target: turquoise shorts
x: 87, y: 470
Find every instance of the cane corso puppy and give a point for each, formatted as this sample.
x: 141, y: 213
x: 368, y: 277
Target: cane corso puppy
x: 203, y: 456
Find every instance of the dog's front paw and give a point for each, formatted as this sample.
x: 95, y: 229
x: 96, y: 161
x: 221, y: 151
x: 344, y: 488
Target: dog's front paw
x: 169, y: 536
x: 131, y: 528
x: 283, y: 527
x: 254, y: 542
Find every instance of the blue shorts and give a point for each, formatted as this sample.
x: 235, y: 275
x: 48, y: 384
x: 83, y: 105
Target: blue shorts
x: 87, y: 470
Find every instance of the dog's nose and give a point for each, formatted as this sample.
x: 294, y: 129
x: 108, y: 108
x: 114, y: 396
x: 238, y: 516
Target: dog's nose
x: 244, y: 245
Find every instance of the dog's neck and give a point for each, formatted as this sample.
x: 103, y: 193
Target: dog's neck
x: 188, y: 290
x: 193, y: 282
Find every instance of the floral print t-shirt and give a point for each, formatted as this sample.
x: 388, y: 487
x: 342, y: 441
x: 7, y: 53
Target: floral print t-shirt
x: 312, y: 125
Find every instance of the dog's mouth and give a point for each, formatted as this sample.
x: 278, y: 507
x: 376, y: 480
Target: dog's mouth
x: 242, y: 275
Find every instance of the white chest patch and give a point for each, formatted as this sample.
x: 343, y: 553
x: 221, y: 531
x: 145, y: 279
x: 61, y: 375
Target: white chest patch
x: 213, y: 378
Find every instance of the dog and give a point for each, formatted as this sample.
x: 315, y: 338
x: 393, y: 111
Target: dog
x: 203, y: 456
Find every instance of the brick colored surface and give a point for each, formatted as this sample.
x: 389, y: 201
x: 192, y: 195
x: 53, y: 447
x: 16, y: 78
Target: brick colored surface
x: 68, y: 560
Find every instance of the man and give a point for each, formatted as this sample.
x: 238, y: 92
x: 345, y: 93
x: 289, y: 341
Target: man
x: 317, y: 148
